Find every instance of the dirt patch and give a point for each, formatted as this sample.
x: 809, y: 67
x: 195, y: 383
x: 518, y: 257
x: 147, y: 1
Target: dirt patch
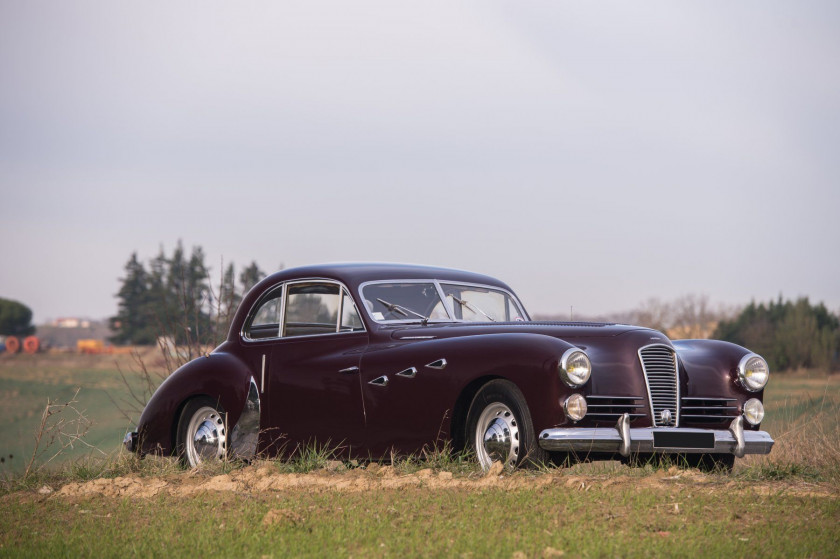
x: 265, y: 479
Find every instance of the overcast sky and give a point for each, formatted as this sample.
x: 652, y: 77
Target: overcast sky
x: 593, y: 154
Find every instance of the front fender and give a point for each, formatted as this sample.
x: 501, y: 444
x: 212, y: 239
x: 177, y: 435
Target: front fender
x: 711, y: 369
x: 220, y: 376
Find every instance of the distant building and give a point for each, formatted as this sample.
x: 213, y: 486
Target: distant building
x: 70, y: 323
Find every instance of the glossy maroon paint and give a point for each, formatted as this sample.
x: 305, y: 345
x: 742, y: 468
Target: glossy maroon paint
x: 310, y: 391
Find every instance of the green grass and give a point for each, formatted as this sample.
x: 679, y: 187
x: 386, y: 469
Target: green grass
x: 784, y: 504
x: 685, y: 520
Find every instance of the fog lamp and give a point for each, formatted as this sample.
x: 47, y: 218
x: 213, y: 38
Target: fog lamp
x: 575, y: 407
x: 753, y: 411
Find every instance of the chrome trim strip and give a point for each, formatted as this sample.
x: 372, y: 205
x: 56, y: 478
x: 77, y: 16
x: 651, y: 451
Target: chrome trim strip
x: 244, y: 437
x: 411, y: 372
x: 439, y: 364
x: 349, y: 370
x: 262, y: 375
x: 609, y: 439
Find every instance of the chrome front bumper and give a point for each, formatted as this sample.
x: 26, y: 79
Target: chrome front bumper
x: 624, y: 440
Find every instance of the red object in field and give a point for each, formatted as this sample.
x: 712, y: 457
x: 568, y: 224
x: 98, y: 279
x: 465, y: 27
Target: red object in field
x: 31, y: 344
x: 12, y: 344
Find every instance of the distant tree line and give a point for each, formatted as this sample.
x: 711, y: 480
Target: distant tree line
x: 788, y: 334
x: 174, y: 296
x: 15, y: 319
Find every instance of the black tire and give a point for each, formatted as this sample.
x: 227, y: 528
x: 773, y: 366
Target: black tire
x: 201, y: 436
x: 499, y: 427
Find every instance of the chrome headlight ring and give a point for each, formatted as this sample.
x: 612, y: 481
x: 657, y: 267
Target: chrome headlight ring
x: 575, y: 367
x: 753, y: 372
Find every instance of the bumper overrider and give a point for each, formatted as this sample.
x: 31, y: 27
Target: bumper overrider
x: 666, y: 440
x: 130, y: 441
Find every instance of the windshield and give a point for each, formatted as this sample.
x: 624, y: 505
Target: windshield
x: 433, y: 301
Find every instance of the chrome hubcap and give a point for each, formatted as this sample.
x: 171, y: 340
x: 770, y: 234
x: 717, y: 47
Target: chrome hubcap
x: 206, y: 437
x: 497, y: 436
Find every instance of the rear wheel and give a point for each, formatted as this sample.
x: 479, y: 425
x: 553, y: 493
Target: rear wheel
x: 202, y: 433
x: 499, y: 427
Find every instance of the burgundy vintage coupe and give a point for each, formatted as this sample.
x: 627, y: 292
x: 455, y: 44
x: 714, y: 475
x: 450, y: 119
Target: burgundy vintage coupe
x: 374, y: 359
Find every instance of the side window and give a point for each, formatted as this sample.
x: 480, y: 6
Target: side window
x: 350, y: 319
x: 311, y: 308
x: 266, y: 321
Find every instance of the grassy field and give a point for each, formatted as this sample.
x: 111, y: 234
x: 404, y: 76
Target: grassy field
x: 781, y: 505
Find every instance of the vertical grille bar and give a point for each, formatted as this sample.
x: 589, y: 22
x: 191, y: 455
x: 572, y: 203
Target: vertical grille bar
x: 659, y: 363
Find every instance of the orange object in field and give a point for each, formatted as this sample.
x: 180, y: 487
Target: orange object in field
x: 12, y: 344
x: 90, y: 346
x: 31, y: 344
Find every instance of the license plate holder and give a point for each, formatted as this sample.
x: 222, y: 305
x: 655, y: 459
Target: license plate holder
x: 678, y: 439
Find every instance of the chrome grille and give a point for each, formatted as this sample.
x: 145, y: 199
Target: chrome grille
x: 699, y: 409
x: 608, y: 409
x: 659, y: 363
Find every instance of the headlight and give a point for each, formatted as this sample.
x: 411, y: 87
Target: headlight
x: 753, y: 372
x: 575, y: 407
x: 753, y: 411
x: 575, y: 368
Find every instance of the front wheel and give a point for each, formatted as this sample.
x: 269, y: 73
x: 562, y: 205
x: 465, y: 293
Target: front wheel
x: 499, y: 427
x: 202, y: 433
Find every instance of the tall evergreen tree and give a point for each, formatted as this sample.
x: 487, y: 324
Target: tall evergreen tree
x: 250, y: 276
x: 133, y: 324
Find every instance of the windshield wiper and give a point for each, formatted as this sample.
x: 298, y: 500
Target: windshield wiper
x: 393, y: 307
x: 472, y: 307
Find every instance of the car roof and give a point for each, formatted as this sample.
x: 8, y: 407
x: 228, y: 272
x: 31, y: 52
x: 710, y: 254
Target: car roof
x: 354, y: 274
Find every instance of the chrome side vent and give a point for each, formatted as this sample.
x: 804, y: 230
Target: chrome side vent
x: 659, y: 363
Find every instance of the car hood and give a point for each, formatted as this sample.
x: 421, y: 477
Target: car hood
x: 563, y: 330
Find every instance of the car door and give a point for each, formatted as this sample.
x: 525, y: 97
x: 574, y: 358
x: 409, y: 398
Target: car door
x: 408, y: 395
x: 312, y: 389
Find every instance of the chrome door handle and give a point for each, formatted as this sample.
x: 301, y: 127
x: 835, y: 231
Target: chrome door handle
x: 349, y: 371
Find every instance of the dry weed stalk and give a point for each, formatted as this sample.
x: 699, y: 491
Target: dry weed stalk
x: 58, y: 432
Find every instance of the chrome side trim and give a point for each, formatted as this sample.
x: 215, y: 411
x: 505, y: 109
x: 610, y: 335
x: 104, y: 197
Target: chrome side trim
x: 380, y: 381
x: 244, y: 437
x: 607, y: 439
x: 439, y: 364
x: 262, y: 375
x: 411, y: 372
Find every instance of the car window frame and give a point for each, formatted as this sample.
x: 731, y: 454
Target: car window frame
x: 284, y: 287
x: 447, y: 305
